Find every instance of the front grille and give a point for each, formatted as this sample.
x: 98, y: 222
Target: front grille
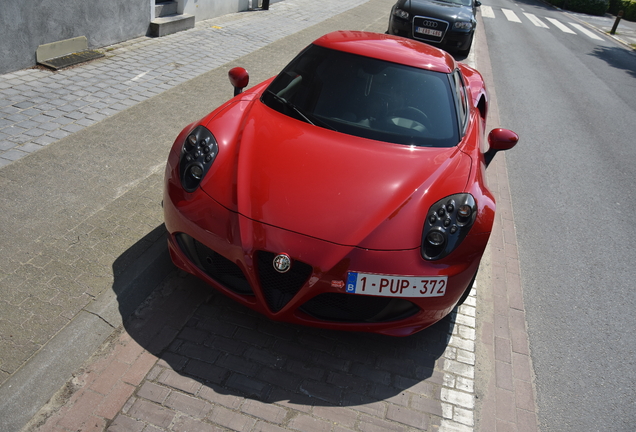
x: 280, y: 288
x: 214, y: 265
x: 358, y: 308
x: 429, y: 29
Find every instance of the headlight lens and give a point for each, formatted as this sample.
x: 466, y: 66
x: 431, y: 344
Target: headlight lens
x: 401, y: 13
x: 463, y: 25
x: 197, y: 155
x: 447, y: 223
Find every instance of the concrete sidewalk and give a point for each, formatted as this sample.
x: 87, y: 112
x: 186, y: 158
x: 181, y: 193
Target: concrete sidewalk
x: 625, y: 32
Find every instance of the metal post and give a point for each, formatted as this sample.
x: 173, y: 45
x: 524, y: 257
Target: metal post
x: 618, y: 19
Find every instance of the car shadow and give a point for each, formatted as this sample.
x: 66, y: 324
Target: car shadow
x: 206, y: 341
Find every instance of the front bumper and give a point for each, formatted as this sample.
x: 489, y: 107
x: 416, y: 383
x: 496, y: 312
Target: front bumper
x: 454, y: 40
x: 234, y: 254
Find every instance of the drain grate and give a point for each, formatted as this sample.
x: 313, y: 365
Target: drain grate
x: 65, y: 61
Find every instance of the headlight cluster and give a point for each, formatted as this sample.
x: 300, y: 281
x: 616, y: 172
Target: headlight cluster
x: 447, y: 224
x: 463, y: 25
x: 401, y: 13
x: 197, y: 154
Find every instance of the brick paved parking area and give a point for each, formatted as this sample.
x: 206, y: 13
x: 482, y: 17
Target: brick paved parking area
x: 214, y: 365
x: 189, y: 359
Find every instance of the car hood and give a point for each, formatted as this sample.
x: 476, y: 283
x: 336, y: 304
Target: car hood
x: 440, y: 9
x: 329, y: 185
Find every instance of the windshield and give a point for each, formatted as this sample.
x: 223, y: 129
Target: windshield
x: 366, y: 97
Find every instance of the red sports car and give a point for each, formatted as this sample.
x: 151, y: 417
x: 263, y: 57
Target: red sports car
x: 347, y: 192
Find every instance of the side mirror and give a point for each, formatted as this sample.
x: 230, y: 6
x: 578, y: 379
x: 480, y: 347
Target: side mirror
x: 499, y: 139
x: 477, y: 3
x: 239, y: 79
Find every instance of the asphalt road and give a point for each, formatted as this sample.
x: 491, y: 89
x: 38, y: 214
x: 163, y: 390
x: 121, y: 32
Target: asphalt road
x: 572, y: 98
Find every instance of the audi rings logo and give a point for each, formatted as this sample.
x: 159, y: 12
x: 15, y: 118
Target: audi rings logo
x: 429, y: 23
x: 282, y: 263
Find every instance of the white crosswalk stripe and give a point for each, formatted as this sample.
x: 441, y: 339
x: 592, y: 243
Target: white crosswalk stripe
x: 487, y: 12
x: 536, y: 21
x: 490, y: 12
x: 585, y: 31
x: 510, y: 15
x: 560, y: 26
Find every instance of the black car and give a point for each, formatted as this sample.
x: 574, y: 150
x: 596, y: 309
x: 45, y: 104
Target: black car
x: 449, y: 24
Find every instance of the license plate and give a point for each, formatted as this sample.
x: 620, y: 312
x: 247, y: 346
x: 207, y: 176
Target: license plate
x: 429, y: 32
x: 396, y: 286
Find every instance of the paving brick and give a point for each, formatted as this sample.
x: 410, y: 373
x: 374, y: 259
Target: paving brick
x: 124, y: 423
x: 503, y: 375
x: 248, y: 386
x: 426, y: 405
x: 505, y: 406
x: 77, y: 415
x: 305, y: 370
x: 229, y: 345
x: 503, y: 350
x: 280, y: 378
x: 175, y: 380
x: 138, y: 370
x: 370, y: 373
x: 459, y: 398
x: 199, y: 352
x: 307, y: 423
x: 524, y: 396
x: 238, y: 364
x: 151, y: 413
x: 264, y: 357
x: 114, y: 401
x: 231, y: 419
x: 265, y: 411
x: 153, y: 392
x: 337, y: 415
x: 407, y: 416
x: 187, y: 424
x: 206, y: 371
x: 526, y: 421
x: 266, y: 427
x: 365, y: 404
x: 220, y: 396
x: 373, y: 424
x: 320, y: 390
x: 187, y: 404
x: 390, y: 394
x: 292, y: 401
x: 521, y: 367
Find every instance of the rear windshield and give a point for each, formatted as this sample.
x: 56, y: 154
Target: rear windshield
x: 366, y: 97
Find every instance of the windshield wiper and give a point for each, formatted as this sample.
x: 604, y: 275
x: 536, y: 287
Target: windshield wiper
x: 313, y: 121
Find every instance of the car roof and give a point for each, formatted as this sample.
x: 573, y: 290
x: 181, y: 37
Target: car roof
x: 390, y: 48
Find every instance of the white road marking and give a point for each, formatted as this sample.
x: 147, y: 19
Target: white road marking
x: 536, y: 21
x: 510, y: 15
x: 585, y: 31
x: 487, y: 12
x: 560, y: 26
